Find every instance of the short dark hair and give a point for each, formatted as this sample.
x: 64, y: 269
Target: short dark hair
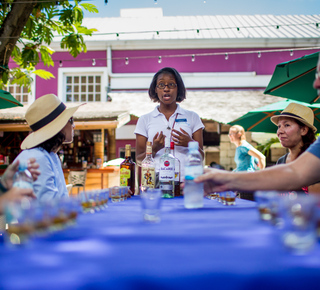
x: 181, y: 88
x: 53, y: 143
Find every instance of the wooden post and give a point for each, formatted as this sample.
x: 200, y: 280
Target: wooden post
x: 111, y: 143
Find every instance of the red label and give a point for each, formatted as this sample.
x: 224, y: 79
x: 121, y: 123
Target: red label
x: 166, y: 163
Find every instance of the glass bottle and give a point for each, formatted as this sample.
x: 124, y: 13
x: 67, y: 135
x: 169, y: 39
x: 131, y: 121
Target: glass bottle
x: 23, y: 177
x: 127, y: 170
x: 177, y: 171
x: 193, y: 192
x: 148, y: 169
x: 166, y: 173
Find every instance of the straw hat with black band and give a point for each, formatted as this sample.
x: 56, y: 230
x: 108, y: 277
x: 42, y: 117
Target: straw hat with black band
x: 46, y: 117
x: 299, y: 112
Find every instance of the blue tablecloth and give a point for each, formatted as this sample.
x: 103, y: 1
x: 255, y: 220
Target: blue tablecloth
x: 216, y: 247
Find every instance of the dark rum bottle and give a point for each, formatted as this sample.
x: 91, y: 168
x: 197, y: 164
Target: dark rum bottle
x: 127, y: 171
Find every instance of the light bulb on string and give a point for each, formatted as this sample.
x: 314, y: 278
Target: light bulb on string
x: 226, y: 56
x: 259, y: 54
x: 291, y: 52
x: 160, y: 59
x: 238, y: 29
x: 94, y: 62
x: 193, y: 58
x: 155, y: 2
x: 60, y: 63
x: 317, y: 25
x: 277, y: 27
x: 158, y: 33
x: 204, y: 1
x: 117, y: 34
x: 127, y: 61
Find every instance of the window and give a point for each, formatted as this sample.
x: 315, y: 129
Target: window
x: 82, y: 84
x: 21, y: 94
x: 83, y: 88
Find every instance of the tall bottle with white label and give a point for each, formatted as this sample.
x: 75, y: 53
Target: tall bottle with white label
x: 193, y: 192
x: 148, y: 169
x: 127, y: 170
x: 166, y: 173
x: 177, y: 171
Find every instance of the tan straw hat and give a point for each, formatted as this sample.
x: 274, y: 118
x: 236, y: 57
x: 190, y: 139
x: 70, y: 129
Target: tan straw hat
x: 46, y: 117
x: 299, y: 112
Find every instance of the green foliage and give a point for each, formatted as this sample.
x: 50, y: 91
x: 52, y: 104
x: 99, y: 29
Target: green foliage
x: 46, y: 20
x: 266, y: 147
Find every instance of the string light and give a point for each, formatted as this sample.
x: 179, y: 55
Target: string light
x: 155, y: 2
x: 160, y: 59
x: 238, y: 28
x: 226, y: 56
x: 60, y: 63
x: 127, y: 61
x: 259, y: 54
x: 288, y: 50
x: 94, y: 62
x: 193, y: 58
x: 317, y: 25
x: 291, y: 52
x: 277, y: 26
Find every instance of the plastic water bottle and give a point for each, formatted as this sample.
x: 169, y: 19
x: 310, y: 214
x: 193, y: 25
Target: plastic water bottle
x: 23, y: 178
x: 193, y: 192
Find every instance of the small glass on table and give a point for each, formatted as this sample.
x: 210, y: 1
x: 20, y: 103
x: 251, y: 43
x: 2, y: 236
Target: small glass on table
x: 230, y: 197
x: 150, y: 204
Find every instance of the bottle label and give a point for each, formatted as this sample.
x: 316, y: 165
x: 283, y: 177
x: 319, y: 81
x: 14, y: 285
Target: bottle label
x: 191, y: 172
x: 148, y: 177
x: 166, y: 171
x: 166, y: 187
x: 125, y: 174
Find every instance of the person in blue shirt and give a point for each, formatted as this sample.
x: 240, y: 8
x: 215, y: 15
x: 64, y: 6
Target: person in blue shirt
x: 304, y: 170
x: 52, y: 125
x: 245, y: 153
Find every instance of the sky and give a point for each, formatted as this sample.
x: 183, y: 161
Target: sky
x: 209, y: 7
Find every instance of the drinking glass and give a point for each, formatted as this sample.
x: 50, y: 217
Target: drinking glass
x: 263, y: 199
x: 150, y: 205
x: 115, y: 194
x: 230, y: 197
x: 298, y: 213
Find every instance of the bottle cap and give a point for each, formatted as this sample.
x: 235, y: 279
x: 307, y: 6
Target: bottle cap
x: 23, y: 165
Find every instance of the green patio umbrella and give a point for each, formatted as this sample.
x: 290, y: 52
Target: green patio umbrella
x: 258, y: 120
x: 294, y: 79
x: 7, y: 100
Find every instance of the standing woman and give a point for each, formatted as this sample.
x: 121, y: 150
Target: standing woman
x: 296, y: 133
x: 168, y: 119
x: 245, y: 152
x: 52, y: 125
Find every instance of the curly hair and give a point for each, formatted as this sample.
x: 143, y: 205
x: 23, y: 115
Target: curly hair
x: 307, y: 139
x: 181, y: 88
x: 54, y: 143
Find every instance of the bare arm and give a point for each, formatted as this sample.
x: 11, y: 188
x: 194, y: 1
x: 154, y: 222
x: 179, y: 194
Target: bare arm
x: 304, y: 170
x: 257, y: 154
x: 198, y: 136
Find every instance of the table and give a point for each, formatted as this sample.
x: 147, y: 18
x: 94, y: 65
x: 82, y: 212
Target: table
x: 216, y: 247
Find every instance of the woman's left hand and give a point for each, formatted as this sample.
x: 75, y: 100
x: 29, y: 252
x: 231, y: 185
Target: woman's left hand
x: 180, y: 138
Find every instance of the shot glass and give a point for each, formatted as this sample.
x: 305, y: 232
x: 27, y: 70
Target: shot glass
x: 298, y: 213
x: 150, y: 205
x: 115, y: 193
x: 263, y: 199
x: 230, y: 197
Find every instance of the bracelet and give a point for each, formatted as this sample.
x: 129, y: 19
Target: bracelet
x: 2, y: 188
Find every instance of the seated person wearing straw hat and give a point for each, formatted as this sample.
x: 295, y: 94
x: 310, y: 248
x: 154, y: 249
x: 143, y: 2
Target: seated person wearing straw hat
x: 52, y: 125
x: 296, y: 132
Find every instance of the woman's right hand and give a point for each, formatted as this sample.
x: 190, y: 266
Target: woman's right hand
x: 158, y: 142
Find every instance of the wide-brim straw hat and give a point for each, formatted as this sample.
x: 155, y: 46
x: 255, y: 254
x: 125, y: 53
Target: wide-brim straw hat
x: 299, y: 112
x: 46, y: 117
